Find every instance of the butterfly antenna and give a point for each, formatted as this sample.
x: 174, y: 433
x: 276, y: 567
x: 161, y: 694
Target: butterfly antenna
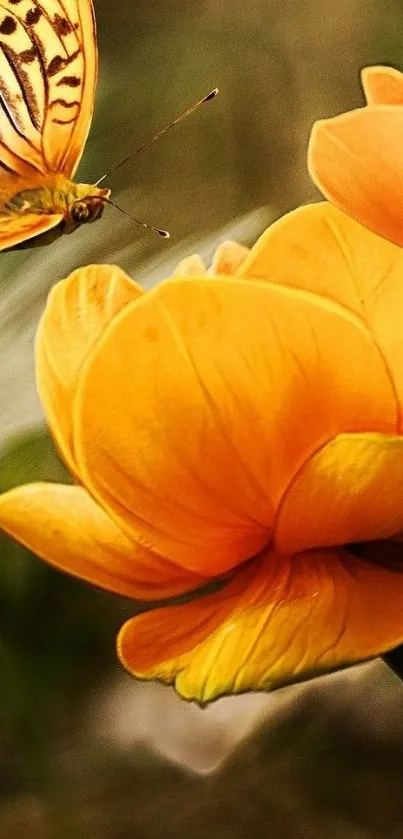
x: 211, y: 95
x: 163, y: 233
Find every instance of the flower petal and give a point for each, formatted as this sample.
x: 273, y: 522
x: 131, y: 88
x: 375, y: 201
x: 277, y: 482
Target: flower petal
x: 280, y: 619
x: 76, y: 314
x: 382, y: 85
x: 349, y: 491
x: 191, y: 266
x: 63, y: 525
x: 319, y: 249
x: 355, y: 159
x: 214, y: 392
x: 228, y: 258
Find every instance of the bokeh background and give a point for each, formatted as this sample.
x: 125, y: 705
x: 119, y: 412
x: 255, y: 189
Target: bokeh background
x: 85, y: 751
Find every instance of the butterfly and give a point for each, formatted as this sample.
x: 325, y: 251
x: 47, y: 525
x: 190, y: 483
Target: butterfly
x: 48, y: 75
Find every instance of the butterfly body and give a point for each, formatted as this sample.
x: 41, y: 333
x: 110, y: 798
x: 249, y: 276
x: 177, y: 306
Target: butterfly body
x: 77, y: 203
x: 48, y: 73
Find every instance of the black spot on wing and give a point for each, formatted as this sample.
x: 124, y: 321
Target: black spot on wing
x: 8, y: 25
x: 28, y: 56
x: 55, y: 65
x: 59, y: 63
x: 33, y: 16
x: 70, y: 81
x: 62, y: 26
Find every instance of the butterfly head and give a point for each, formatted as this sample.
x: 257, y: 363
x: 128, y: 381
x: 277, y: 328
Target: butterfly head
x: 87, y: 205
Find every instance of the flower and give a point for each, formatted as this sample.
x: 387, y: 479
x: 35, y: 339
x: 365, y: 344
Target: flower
x: 242, y: 429
x: 227, y: 259
x: 356, y: 160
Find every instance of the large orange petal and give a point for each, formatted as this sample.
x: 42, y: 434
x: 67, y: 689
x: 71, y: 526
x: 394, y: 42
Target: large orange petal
x: 76, y: 314
x: 349, y: 491
x: 279, y: 620
x: 382, y: 85
x: 355, y: 159
x: 203, y: 399
x: 63, y: 525
x: 319, y: 249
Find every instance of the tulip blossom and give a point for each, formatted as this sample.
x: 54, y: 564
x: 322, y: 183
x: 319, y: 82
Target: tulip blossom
x: 236, y: 437
x: 356, y: 158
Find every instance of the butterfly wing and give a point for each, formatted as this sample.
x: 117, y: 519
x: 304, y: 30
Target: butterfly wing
x: 48, y: 73
x: 83, y: 21
x: 17, y: 229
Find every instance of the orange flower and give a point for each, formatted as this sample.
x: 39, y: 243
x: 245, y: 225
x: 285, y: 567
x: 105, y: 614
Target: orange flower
x: 227, y: 259
x: 245, y: 426
x: 356, y: 159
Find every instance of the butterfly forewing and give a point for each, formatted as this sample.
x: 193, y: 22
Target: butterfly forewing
x: 48, y: 72
x: 63, y: 66
x: 87, y: 33
x: 61, y: 37
x: 21, y: 91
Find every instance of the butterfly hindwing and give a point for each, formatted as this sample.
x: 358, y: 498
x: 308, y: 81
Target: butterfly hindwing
x: 17, y: 229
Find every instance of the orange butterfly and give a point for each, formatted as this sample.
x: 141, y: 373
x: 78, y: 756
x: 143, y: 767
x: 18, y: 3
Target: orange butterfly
x: 48, y: 74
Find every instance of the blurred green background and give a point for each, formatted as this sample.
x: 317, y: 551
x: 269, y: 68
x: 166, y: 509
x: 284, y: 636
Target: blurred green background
x: 84, y: 750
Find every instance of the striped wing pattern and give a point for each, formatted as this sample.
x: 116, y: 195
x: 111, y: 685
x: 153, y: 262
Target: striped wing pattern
x: 48, y: 69
x: 48, y: 73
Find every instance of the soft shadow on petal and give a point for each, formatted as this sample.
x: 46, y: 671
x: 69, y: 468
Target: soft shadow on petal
x: 279, y: 620
x: 382, y: 85
x: 355, y: 160
x: 228, y: 258
x: 319, y: 249
x: 349, y: 491
x: 214, y: 392
x: 64, y: 526
x: 76, y: 314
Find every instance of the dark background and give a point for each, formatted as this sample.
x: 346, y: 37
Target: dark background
x: 84, y: 750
